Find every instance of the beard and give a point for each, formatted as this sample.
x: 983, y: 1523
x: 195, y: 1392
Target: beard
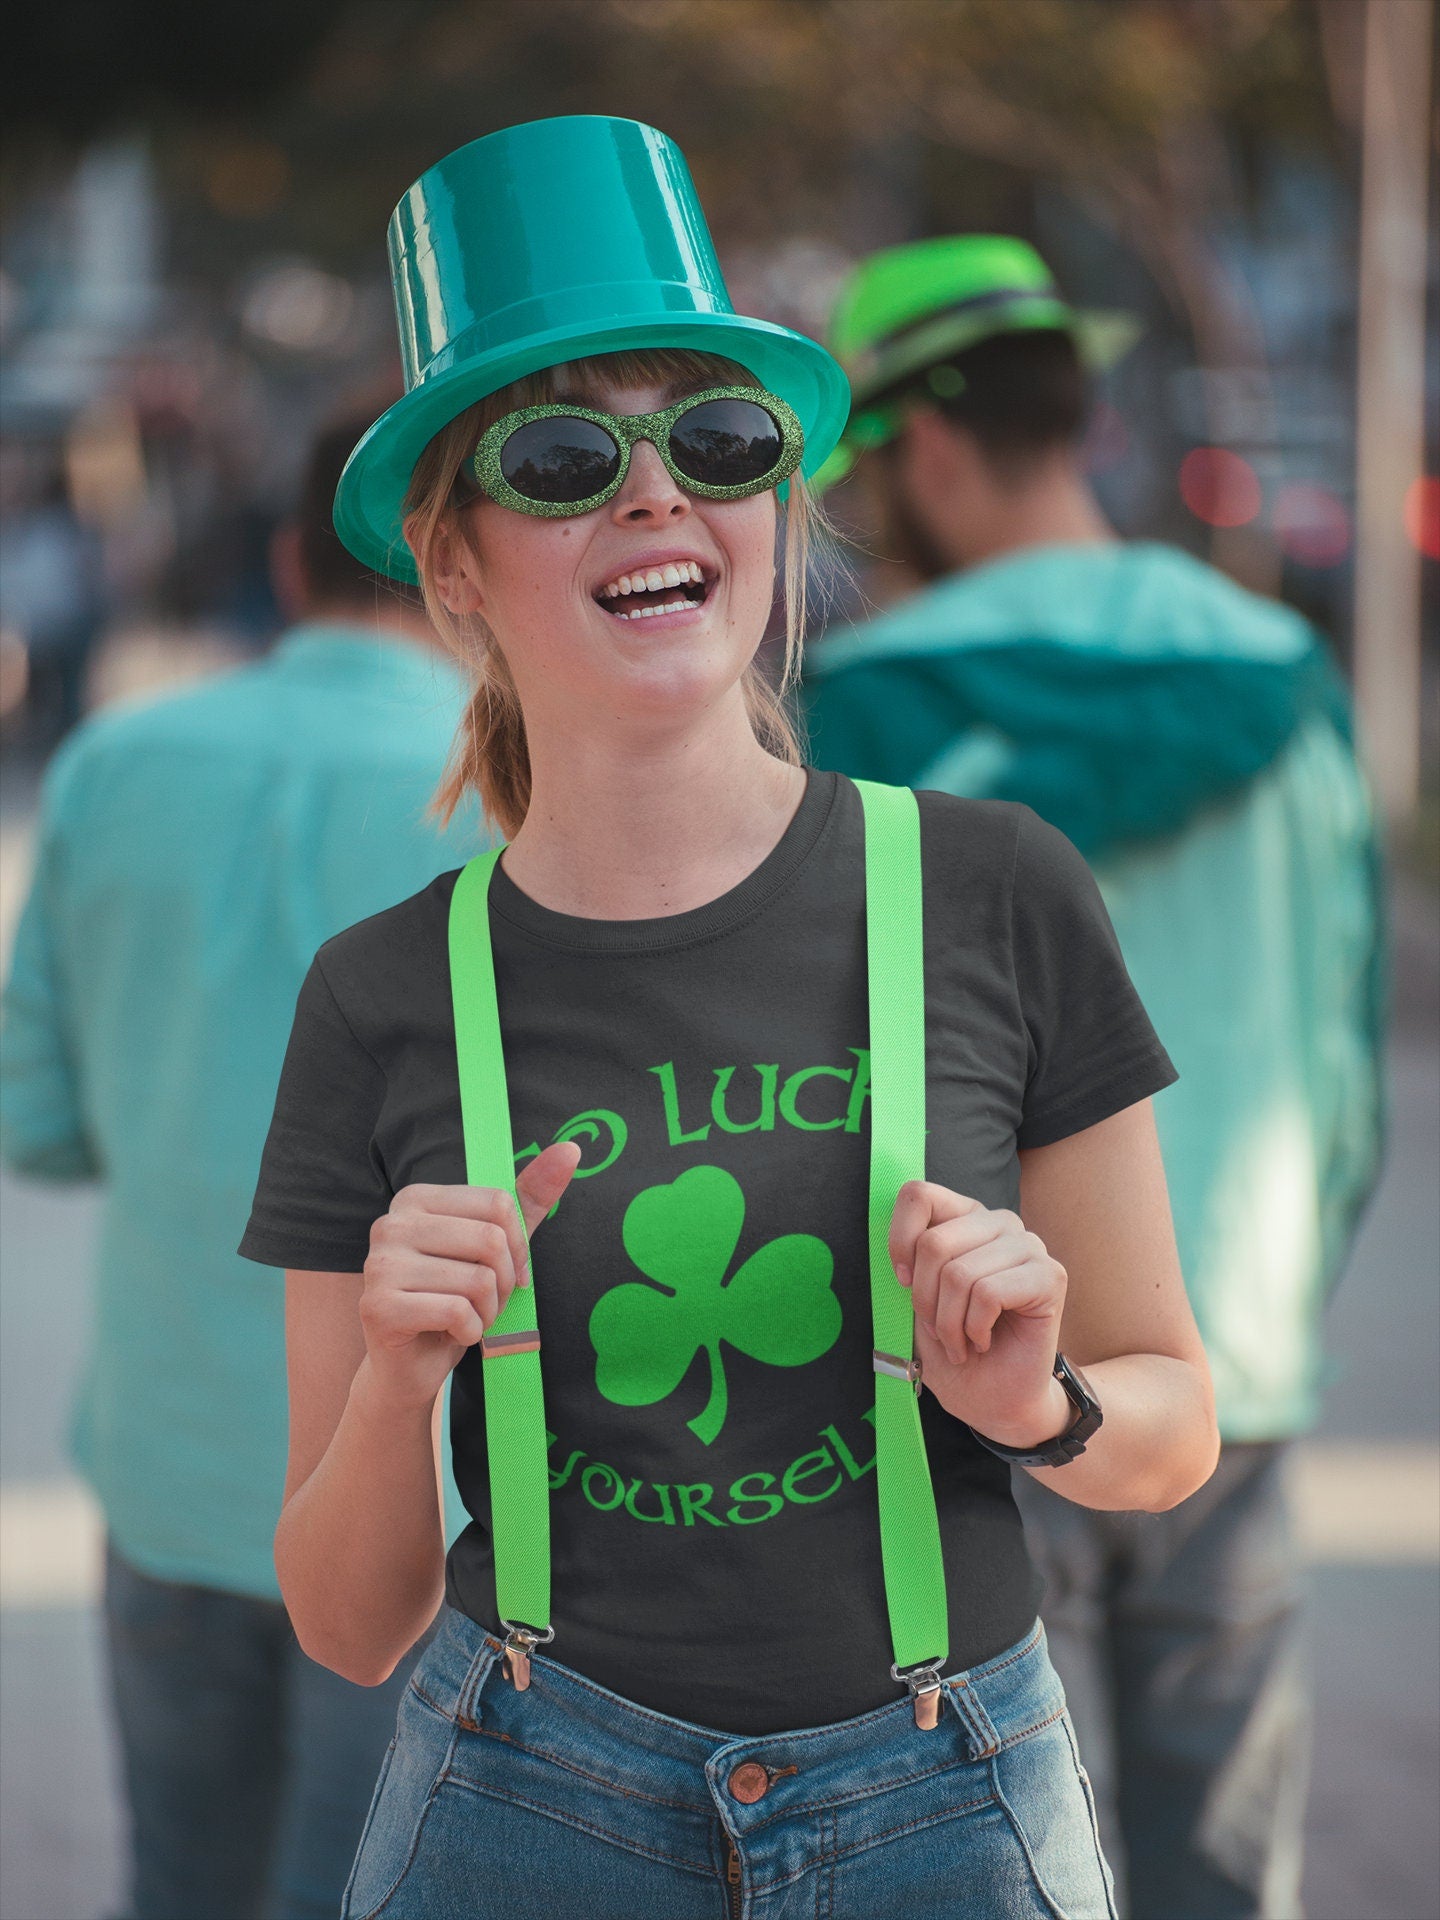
x: 902, y: 536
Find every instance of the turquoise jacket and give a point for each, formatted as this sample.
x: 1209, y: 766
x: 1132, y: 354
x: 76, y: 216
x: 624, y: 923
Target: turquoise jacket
x: 1194, y: 742
x: 192, y: 853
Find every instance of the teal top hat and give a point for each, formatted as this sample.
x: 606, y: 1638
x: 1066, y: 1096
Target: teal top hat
x: 543, y: 243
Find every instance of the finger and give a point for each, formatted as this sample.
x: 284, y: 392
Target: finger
x: 397, y: 1318
x: 543, y: 1180
x: 391, y: 1272
x: 466, y: 1203
x: 1029, y: 1292
x: 918, y: 1205
x: 445, y: 1236
x: 948, y: 1322
x: 949, y: 1295
x: 976, y: 1238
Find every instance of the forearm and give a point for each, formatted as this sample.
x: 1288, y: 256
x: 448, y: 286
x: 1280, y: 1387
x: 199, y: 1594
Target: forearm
x: 1157, y: 1444
x: 360, y: 1548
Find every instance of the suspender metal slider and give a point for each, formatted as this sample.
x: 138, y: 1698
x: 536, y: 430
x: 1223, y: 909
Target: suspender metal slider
x: 519, y: 1641
x: 897, y: 1368
x: 492, y: 1344
x: 924, y: 1684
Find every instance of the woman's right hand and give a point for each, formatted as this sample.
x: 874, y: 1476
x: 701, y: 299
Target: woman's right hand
x: 442, y: 1263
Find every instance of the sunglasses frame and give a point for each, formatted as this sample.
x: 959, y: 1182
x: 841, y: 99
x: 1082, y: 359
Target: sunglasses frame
x: 625, y: 429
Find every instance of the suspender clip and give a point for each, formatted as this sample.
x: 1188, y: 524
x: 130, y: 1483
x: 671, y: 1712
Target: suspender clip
x: 519, y: 1642
x: 897, y: 1368
x: 924, y: 1684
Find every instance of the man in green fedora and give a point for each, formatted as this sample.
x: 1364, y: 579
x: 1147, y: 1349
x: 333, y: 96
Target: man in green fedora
x: 1194, y: 742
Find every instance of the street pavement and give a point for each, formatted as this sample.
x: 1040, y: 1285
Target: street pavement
x: 1367, y: 1491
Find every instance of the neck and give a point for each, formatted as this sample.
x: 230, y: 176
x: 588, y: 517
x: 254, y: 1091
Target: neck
x: 643, y: 825
x: 386, y: 623
x: 1055, y: 508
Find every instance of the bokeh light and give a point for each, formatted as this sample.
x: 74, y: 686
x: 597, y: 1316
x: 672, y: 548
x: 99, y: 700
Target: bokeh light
x: 1422, y: 514
x: 293, y: 304
x: 1312, y: 524
x: 1219, y: 487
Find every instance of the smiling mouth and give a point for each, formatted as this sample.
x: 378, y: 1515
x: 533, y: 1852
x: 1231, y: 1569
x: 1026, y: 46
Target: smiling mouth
x: 646, y: 602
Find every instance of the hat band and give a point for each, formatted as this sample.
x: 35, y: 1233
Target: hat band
x: 566, y: 309
x: 951, y: 330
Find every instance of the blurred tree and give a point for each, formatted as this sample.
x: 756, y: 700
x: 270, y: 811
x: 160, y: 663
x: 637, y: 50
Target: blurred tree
x: 303, y: 120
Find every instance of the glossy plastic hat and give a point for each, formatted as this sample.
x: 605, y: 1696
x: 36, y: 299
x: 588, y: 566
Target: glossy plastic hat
x: 540, y: 244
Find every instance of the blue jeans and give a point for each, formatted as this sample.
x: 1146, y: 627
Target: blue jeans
x: 1178, y: 1637
x: 566, y: 1802
x: 247, y: 1767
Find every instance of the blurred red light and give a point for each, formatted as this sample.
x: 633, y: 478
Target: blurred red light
x: 1422, y: 514
x: 1311, y: 524
x: 1219, y: 487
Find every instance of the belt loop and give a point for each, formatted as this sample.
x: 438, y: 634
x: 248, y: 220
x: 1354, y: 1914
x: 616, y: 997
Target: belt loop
x: 467, y: 1707
x: 980, y: 1729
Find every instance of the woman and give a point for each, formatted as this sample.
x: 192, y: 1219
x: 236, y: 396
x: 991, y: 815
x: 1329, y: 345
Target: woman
x: 711, y: 1717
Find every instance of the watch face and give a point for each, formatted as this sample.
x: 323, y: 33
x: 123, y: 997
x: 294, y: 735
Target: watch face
x: 1080, y: 1381
x: 1087, y: 1408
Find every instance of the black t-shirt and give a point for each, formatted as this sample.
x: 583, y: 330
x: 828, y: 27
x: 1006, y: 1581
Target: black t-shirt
x: 702, y: 1288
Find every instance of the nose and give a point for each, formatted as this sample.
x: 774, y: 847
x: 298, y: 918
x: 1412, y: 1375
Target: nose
x: 649, y: 492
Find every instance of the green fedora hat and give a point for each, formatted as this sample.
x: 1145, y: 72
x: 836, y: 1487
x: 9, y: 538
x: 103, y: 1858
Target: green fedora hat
x: 907, y: 310
x: 540, y: 244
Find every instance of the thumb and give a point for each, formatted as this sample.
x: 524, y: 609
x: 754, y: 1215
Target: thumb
x: 541, y: 1181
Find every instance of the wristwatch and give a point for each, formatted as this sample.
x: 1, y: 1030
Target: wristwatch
x: 1067, y: 1445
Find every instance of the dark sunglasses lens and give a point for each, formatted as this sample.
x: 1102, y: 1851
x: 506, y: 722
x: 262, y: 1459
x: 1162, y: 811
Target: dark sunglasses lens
x: 725, y: 443
x: 561, y: 460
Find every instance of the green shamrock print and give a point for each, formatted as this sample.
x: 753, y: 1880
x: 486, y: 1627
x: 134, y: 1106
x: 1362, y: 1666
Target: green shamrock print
x: 778, y: 1308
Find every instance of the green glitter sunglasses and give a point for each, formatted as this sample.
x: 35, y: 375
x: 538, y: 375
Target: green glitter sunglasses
x: 723, y: 444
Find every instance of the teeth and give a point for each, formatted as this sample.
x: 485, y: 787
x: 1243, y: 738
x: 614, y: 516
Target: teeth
x: 674, y: 573
x: 647, y: 613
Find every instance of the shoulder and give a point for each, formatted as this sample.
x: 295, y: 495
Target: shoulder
x: 127, y: 733
x: 975, y: 838
x: 388, y: 957
x: 993, y: 860
x: 130, y: 731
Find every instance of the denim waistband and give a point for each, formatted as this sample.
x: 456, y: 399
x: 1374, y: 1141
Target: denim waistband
x: 993, y: 1704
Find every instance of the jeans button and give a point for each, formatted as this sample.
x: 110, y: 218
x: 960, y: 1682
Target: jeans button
x: 749, y: 1782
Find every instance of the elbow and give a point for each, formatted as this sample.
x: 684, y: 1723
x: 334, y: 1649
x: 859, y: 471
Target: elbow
x: 357, y: 1665
x: 1188, y: 1473
x: 359, y: 1650
x: 362, y: 1664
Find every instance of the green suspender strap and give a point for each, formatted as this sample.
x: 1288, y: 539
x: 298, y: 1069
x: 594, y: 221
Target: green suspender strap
x: 895, y: 955
x: 514, y: 1400
x: 514, y: 1407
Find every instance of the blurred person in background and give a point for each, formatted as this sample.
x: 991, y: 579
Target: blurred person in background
x: 193, y: 851
x: 52, y: 594
x: 1194, y: 742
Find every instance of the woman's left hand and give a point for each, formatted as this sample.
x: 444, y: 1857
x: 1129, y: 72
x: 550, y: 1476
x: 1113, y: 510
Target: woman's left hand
x: 988, y: 1300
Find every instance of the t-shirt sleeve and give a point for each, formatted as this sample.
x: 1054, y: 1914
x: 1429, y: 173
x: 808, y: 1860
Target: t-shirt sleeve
x: 322, y: 1182
x: 1092, y: 1049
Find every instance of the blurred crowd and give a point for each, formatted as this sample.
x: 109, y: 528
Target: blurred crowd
x: 167, y: 458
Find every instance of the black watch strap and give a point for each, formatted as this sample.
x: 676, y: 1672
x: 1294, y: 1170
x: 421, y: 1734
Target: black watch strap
x: 1065, y: 1446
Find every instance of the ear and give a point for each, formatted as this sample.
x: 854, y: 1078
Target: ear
x: 453, y: 570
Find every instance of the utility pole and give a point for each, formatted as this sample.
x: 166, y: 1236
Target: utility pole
x: 1390, y: 436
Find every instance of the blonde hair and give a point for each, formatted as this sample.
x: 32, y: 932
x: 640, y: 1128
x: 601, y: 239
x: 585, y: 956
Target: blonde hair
x: 490, y: 755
